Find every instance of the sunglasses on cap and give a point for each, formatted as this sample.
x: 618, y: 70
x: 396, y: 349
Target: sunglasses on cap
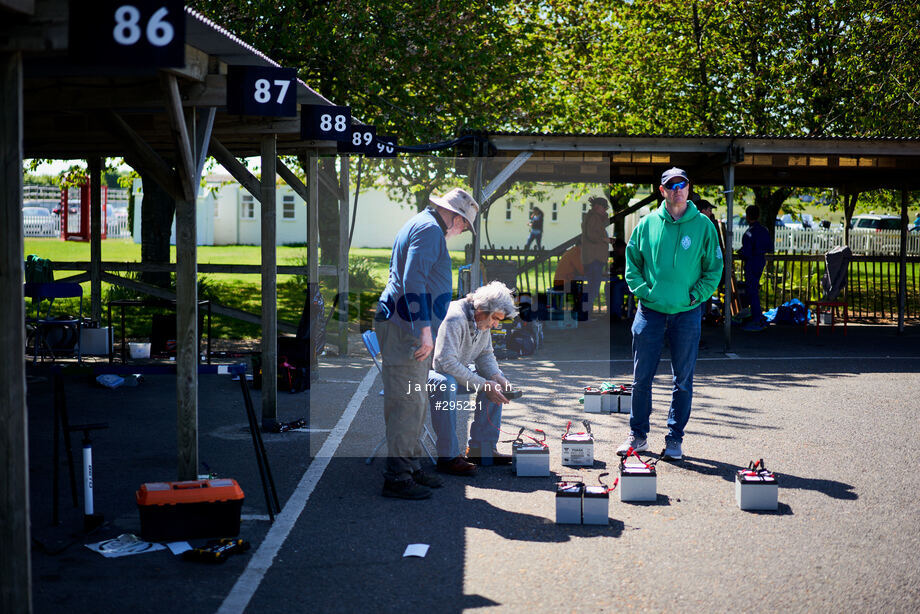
x: 677, y: 185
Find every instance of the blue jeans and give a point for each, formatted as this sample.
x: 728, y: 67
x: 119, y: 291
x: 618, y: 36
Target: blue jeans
x: 594, y: 271
x: 443, y: 405
x: 617, y: 290
x: 649, y: 329
x: 535, y: 235
x: 752, y: 287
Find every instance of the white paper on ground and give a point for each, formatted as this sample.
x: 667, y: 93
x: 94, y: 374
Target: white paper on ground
x: 178, y: 547
x: 419, y: 550
x: 124, y: 545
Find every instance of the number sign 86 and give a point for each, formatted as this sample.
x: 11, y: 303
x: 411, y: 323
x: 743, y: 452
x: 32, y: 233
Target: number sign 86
x: 127, y: 29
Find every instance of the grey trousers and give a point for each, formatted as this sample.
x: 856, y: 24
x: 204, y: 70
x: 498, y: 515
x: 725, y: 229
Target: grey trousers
x: 405, y: 401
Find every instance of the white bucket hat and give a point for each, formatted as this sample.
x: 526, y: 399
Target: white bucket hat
x: 460, y: 202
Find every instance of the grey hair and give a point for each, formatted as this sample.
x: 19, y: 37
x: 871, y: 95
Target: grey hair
x: 493, y: 297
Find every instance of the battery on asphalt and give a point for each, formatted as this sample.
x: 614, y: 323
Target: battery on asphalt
x: 638, y: 480
x: 578, y: 448
x: 756, y: 488
x: 174, y: 511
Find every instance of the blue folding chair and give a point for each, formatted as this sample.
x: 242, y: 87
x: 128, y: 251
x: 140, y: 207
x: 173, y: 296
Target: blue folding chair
x: 48, y: 332
x: 373, y: 348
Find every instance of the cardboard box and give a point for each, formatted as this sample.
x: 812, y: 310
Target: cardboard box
x: 756, y: 490
x: 638, y: 483
x: 176, y: 511
x: 568, y: 502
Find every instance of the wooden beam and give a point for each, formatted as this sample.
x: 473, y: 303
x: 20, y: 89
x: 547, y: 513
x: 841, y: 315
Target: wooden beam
x: 15, y: 539
x: 143, y: 156
x: 313, y: 217
x: 236, y: 168
x: 196, y: 65
x: 95, y: 231
x: 186, y: 340
x: 269, y: 283
x: 330, y: 184
x: 293, y: 181
x: 216, y: 308
x: 342, y: 260
x: 179, y: 129
x: 203, y: 130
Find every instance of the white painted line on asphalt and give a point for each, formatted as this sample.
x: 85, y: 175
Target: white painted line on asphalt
x: 728, y: 356
x: 254, y: 517
x: 247, y: 584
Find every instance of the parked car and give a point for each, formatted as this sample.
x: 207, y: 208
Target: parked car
x: 37, y: 222
x: 872, y: 221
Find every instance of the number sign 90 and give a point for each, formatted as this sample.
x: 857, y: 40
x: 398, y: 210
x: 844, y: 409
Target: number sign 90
x: 149, y: 33
x: 326, y: 122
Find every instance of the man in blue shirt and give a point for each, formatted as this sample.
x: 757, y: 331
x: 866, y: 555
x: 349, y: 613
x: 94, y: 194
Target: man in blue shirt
x: 411, y: 307
x: 755, y: 244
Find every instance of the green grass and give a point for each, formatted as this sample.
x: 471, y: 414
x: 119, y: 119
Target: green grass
x: 241, y: 291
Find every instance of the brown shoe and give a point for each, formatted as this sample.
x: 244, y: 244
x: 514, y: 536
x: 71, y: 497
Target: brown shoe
x: 456, y: 466
x: 474, y: 455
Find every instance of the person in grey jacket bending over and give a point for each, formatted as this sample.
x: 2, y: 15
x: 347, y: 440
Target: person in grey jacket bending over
x: 464, y: 338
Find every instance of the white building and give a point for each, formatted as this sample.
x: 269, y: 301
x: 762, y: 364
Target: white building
x: 229, y: 215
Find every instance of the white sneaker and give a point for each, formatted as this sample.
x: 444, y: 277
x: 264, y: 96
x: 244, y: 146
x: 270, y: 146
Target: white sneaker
x: 638, y: 444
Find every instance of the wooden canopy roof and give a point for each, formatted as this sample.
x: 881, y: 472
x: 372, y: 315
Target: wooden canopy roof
x: 73, y: 109
x: 849, y: 164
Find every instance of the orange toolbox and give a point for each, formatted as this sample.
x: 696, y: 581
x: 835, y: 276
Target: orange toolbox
x: 175, y: 511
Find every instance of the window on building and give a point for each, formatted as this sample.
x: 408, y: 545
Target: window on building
x: 287, y: 208
x: 247, y: 207
x: 555, y: 217
x: 584, y: 207
x: 507, y: 211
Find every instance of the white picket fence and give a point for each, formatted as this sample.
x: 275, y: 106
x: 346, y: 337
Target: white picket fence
x: 820, y: 241
x: 43, y: 226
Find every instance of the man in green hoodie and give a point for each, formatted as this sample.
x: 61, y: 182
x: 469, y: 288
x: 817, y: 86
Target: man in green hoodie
x: 673, y: 265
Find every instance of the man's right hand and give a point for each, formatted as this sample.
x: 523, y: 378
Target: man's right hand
x: 493, y: 392
x: 426, y: 347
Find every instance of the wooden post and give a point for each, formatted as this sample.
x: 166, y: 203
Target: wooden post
x: 94, y: 165
x: 477, y: 195
x: 269, y: 283
x: 15, y: 538
x: 343, y: 255
x: 728, y: 178
x: 902, y: 272
x: 313, y: 217
x: 187, y: 339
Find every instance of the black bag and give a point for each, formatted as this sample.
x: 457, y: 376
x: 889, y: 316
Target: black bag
x: 521, y: 342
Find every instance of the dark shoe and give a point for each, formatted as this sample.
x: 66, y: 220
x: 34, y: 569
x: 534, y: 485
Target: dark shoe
x: 405, y: 489
x: 428, y: 479
x: 474, y: 455
x: 456, y: 466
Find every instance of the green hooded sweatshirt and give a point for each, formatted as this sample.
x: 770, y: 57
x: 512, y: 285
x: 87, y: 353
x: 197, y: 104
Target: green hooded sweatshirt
x: 670, y: 263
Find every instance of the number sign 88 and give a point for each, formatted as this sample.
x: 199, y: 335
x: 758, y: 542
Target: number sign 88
x: 327, y: 123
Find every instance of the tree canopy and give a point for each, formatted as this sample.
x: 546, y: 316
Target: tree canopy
x: 427, y: 69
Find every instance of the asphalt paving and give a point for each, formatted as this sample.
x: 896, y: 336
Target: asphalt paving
x: 834, y: 415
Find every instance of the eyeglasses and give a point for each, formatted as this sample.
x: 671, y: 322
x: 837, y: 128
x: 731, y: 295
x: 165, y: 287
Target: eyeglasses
x: 677, y: 185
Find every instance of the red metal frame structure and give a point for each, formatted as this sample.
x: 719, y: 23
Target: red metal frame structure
x: 83, y: 233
